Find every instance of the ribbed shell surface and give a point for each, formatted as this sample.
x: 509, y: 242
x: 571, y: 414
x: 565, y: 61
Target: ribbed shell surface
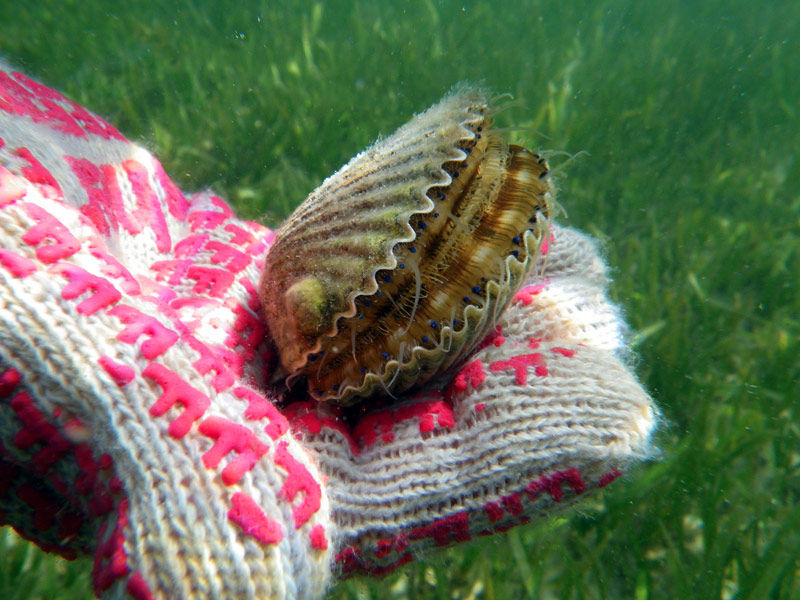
x: 396, y: 266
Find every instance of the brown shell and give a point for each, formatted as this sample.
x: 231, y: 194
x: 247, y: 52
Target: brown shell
x: 396, y: 266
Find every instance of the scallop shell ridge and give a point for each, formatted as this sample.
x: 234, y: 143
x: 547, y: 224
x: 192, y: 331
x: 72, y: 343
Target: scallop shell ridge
x: 393, y: 175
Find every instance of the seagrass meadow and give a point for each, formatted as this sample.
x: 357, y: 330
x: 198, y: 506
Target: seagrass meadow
x: 684, y: 121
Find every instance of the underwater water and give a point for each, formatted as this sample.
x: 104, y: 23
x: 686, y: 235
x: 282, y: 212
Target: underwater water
x: 684, y: 121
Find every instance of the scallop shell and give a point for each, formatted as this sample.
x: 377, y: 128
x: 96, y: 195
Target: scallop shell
x: 399, y: 264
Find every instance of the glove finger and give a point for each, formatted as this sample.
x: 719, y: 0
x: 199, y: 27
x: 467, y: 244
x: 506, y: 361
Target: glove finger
x: 545, y: 411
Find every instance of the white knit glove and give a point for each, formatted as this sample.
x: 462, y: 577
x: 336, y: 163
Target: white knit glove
x: 134, y: 424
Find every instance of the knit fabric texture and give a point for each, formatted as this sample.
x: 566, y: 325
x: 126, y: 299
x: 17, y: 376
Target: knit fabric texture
x: 136, y: 421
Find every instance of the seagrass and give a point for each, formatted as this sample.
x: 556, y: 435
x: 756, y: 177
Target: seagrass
x: 398, y: 264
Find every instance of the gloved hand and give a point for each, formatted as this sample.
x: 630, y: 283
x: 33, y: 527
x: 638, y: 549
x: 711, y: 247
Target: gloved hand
x: 136, y: 425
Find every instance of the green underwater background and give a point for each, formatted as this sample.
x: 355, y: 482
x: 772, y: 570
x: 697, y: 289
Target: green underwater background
x: 684, y: 121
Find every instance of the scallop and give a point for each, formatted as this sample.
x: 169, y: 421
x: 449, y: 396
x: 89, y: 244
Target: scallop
x: 394, y: 269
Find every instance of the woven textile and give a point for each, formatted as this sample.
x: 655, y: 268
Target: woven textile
x: 136, y: 423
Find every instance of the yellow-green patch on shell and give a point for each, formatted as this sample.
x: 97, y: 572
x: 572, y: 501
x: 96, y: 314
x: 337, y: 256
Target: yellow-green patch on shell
x: 396, y: 266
